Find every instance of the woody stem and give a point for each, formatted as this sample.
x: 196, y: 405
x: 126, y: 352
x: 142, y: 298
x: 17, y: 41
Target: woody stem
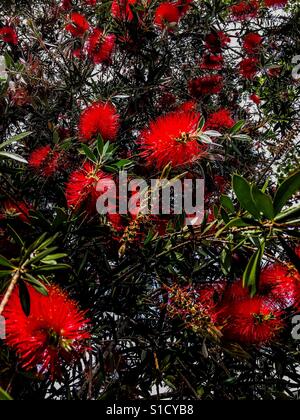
x: 9, y: 291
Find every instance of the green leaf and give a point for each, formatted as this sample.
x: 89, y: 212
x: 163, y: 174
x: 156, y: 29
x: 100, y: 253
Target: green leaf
x: 89, y: 154
x: 237, y: 127
x: 242, y: 137
x: 24, y: 298
x: 237, y: 222
x: 16, y: 237
x: 201, y: 124
x: 227, y: 203
x: 13, y: 156
x: 289, y: 214
x: 251, y: 274
x: 4, y: 396
x: 15, y: 139
x: 287, y: 189
x: 39, y: 286
x: 5, y: 263
x: 263, y: 202
x: 242, y: 189
x: 42, y: 255
x: 49, y: 268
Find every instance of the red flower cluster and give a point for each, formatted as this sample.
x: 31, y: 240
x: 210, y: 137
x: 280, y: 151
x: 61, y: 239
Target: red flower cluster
x: 220, y: 120
x: 78, y: 25
x: 249, y: 67
x: 252, y: 43
x: 99, y: 119
x: 212, y: 62
x: 172, y: 138
x: 216, y: 41
x: 206, y: 85
x: 281, y: 285
x: 167, y: 15
x: 82, y: 187
x: 255, y: 98
x: 100, y: 46
x: 16, y: 209
x: 9, y: 35
x: 44, y: 160
x: 251, y: 321
x: 55, y: 332
x: 276, y: 3
x: 121, y: 9
x: 245, y: 9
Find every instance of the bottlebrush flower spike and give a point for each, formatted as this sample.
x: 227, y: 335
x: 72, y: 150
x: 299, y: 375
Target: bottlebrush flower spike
x: 217, y: 41
x: 78, y: 25
x: 9, y: 35
x: 245, y: 10
x: 212, y: 62
x: 100, y: 46
x: 82, y: 187
x: 249, y: 321
x: 121, y: 9
x: 279, y: 283
x: 44, y: 160
x: 53, y: 334
x: 172, y: 138
x: 276, y: 3
x: 206, y: 85
x: 184, y: 6
x: 249, y: 67
x: 252, y: 43
x: 99, y: 118
x: 255, y: 98
x: 17, y: 209
x: 167, y: 15
x: 220, y: 120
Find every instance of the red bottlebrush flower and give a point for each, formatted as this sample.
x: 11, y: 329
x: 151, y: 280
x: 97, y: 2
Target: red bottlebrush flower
x: 44, y: 160
x: 206, y: 85
x: 54, y: 333
x: 19, y: 96
x: 212, y: 62
x: 100, y: 46
x: 252, y: 43
x: 91, y: 2
x: 9, y: 35
x: 183, y: 6
x: 188, y: 106
x: 277, y: 282
x: 274, y: 72
x: 121, y: 9
x: 249, y: 67
x: 99, y: 118
x: 17, y: 209
x: 167, y: 15
x: 82, y: 187
x: 221, y: 183
x: 236, y: 292
x: 167, y: 100
x: 251, y: 321
x: 172, y: 139
x: 66, y: 5
x: 245, y: 10
x: 276, y: 3
x: 78, y: 25
x: 216, y: 41
x: 255, y: 98
x: 220, y: 120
